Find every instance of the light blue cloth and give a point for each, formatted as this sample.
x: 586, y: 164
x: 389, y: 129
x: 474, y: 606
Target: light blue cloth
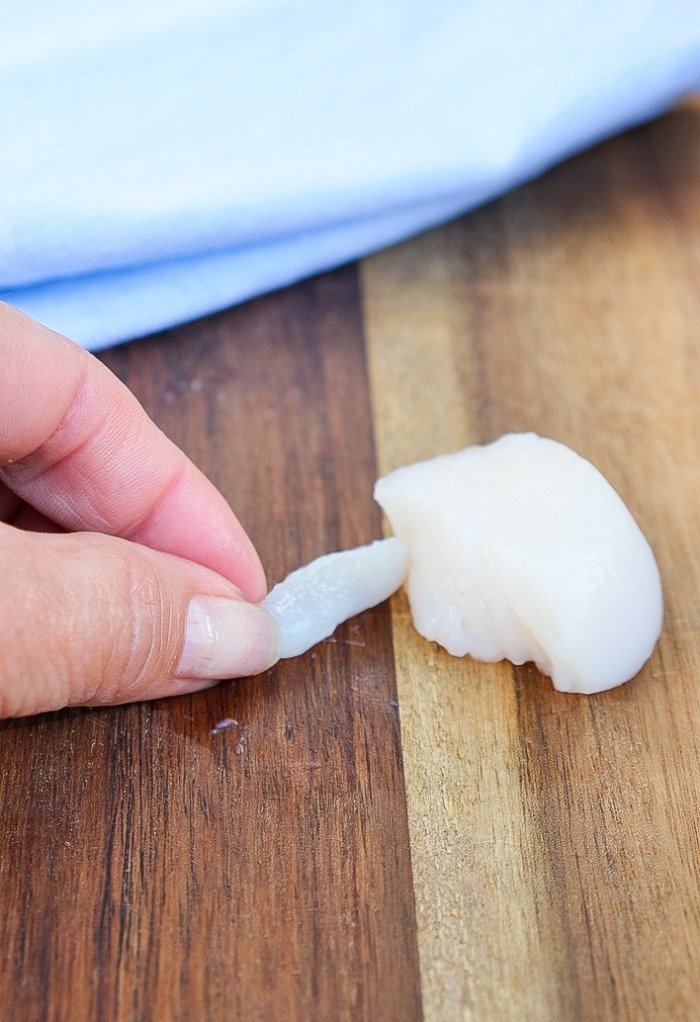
x: 165, y: 158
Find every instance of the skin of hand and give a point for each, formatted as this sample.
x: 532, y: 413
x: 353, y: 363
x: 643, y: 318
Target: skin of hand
x: 126, y: 575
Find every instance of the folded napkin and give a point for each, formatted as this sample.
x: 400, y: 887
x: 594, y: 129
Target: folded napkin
x: 166, y: 158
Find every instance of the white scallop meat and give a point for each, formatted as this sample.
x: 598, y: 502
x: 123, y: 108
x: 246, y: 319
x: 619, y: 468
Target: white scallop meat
x: 520, y: 549
x: 313, y: 600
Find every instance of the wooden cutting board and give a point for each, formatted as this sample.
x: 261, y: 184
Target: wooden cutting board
x: 386, y: 833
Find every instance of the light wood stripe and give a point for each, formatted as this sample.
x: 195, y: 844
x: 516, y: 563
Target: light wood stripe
x: 458, y: 722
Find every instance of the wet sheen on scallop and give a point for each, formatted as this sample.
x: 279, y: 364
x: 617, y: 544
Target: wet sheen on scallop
x: 520, y: 549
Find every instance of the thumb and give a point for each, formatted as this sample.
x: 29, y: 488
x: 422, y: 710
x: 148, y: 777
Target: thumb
x: 95, y: 620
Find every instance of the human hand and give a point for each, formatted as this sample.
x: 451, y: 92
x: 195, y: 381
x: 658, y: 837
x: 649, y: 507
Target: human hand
x: 126, y: 575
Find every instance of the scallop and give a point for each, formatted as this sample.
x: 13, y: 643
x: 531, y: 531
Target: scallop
x: 313, y: 600
x: 521, y: 550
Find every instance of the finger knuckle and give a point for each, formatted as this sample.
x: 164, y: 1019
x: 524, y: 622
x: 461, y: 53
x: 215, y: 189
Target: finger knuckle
x: 145, y: 641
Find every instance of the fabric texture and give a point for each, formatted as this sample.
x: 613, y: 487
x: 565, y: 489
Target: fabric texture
x: 166, y: 158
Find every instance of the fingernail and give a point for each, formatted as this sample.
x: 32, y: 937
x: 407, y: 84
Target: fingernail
x: 228, y: 639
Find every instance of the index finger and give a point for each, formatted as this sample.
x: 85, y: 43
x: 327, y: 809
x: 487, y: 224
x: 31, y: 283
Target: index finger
x: 76, y: 444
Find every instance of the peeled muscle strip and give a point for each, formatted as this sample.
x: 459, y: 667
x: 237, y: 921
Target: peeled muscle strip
x: 312, y: 601
x: 520, y: 549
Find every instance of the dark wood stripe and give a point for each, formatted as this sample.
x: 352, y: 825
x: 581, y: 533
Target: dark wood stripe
x: 154, y: 870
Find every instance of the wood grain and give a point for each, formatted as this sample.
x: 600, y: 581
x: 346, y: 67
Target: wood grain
x: 555, y: 842
x: 154, y: 870
x: 154, y: 867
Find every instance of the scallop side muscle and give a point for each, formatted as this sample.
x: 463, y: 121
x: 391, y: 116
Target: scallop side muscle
x: 520, y: 549
x: 313, y: 600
